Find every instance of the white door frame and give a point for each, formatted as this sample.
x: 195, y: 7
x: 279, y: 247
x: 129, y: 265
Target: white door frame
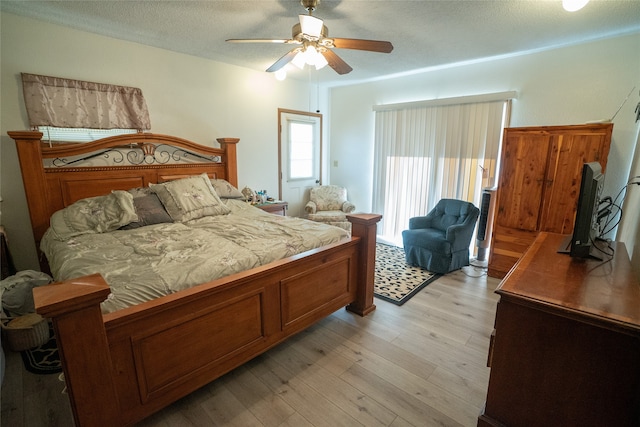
x: 296, y: 207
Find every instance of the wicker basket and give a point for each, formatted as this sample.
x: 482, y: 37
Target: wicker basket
x: 25, y: 332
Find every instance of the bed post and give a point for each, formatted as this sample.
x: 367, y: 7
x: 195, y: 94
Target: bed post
x: 29, y: 150
x: 74, y: 307
x: 364, y: 226
x: 230, y: 160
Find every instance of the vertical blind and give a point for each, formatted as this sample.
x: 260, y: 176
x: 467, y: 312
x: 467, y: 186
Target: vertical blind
x: 424, y: 153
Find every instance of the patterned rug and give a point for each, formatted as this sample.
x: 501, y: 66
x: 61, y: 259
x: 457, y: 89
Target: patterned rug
x: 395, y: 280
x: 44, y: 359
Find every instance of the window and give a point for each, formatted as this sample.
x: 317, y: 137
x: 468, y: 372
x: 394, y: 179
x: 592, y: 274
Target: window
x: 301, y: 149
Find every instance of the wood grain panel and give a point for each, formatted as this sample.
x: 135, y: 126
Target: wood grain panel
x: 311, y: 290
x: 568, y: 154
x: 569, y: 371
x: 74, y: 190
x: 182, y: 350
x: 524, y: 160
x: 508, y: 245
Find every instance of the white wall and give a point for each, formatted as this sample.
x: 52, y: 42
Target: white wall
x: 190, y: 97
x: 630, y: 226
x: 570, y: 85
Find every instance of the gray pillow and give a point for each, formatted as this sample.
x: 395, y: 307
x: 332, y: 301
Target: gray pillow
x: 150, y: 210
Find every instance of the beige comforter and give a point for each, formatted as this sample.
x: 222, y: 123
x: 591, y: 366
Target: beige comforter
x: 156, y: 260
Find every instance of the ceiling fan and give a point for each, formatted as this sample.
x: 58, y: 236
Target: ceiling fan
x: 314, y: 46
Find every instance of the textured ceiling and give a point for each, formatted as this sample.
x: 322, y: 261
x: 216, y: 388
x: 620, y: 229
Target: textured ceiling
x: 424, y: 33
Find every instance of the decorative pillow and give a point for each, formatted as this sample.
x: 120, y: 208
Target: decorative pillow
x: 190, y: 198
x: 94, y: 215
x: 150, y: 211
x: 225, y: 190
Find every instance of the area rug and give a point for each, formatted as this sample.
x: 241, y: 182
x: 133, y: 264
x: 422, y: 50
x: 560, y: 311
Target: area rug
x: 395, y: 280
x: 43, y: 359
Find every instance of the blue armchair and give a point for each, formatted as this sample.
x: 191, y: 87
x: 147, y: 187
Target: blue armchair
x: 439, y: 241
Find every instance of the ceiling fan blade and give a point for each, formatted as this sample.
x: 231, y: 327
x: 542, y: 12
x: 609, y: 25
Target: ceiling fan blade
x: 311, y: 25
x: 283, y: 61
x: 359, y: 44
x: 336, y: 62
x: 258, y: 41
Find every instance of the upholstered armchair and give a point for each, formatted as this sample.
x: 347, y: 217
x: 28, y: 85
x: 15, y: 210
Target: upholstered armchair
x: 329, y: 204
x: 439, y: 241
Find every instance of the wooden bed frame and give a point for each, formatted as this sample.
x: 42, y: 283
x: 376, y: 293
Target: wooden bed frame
x: 123, y: 366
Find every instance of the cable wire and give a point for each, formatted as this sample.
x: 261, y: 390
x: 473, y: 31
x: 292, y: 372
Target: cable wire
x: 618, y: 205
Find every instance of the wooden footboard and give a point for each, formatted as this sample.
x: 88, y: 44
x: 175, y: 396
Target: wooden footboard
x: 124, y: 366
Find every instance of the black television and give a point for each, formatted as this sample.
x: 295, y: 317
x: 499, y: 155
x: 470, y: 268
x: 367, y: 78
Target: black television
x: 586, y: 231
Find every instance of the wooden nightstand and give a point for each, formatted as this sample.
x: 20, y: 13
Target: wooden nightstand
x: 276, y: 208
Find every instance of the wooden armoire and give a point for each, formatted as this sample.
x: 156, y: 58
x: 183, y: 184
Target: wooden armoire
x: 540, y: 173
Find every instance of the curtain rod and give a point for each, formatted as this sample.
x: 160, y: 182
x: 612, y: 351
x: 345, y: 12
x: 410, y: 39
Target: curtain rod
x: 488, y: 97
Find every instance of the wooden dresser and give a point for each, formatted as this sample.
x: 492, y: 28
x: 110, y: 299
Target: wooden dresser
x: 540, y: 170
x: 566, y: 345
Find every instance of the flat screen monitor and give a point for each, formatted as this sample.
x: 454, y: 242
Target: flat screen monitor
x: 586, y: 230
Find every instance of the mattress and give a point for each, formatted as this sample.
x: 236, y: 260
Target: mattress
x: 145, y: 263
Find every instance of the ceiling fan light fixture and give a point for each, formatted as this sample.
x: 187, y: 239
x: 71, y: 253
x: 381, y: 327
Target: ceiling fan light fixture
x: 574, y: 5
x: 309, y: 56
x: 314, y: 58
x: 321, y: 61
x: 299, y: 60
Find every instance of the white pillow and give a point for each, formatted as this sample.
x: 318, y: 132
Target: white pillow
x: 189, y: 198
x: 94, y: 215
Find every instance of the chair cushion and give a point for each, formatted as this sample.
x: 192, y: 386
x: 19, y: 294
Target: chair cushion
x: 448, y: 213
x: 428, y: 238
x: 444, y: 221
x: 328, y: 216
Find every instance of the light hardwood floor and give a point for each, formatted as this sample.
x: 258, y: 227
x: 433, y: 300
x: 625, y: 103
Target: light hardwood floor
x: 422, y: 364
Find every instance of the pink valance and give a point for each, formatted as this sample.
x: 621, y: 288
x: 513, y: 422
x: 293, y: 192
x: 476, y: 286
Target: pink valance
x: 59, y: 102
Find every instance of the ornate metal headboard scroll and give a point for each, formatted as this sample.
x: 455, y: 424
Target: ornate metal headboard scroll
x: 136, y: 154
x: 134, y: 150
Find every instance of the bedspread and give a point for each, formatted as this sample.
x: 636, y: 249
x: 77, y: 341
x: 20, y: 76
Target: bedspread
x: 149, y: 262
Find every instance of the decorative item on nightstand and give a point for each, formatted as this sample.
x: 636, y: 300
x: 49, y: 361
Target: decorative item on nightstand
x: 249, y: 194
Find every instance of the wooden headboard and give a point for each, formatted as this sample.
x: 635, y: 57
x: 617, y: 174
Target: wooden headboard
x: 135, y: 160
